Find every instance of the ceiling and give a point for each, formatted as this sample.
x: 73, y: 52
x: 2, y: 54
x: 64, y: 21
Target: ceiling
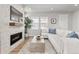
x: 47, y: 7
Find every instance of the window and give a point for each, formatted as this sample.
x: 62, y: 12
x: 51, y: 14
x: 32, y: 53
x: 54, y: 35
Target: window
x: 39, y: 25
x: 44, y: 24
x: 35, y: 23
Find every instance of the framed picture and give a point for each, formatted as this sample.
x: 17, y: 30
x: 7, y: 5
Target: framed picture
x: 53, y: 20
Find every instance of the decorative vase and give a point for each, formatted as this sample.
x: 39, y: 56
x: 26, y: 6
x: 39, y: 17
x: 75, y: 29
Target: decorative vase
x: 38, y: 37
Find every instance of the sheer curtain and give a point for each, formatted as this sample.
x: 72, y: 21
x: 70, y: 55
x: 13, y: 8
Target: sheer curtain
x: 35, y: 26
x: 44, y: 25
x: 39, y: 25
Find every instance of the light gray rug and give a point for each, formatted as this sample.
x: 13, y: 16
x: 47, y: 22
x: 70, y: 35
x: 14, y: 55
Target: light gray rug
x: 48, y: 49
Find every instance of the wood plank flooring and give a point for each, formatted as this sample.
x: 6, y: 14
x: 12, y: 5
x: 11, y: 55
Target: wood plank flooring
x: 20, y: 46
x: 23, y: 48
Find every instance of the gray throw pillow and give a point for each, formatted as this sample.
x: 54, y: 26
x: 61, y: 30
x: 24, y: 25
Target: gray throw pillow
x: 72, y: 35
x: 53, y: 31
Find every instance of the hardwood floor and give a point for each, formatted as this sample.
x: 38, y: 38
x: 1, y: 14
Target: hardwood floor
x: 23, y: 48
x: 20, y: 46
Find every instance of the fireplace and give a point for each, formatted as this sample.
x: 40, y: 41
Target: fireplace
x: 15, y: 37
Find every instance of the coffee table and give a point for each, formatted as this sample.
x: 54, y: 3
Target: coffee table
x: 37, y: 45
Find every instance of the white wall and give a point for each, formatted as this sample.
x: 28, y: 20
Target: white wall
x: 61, y: 21
x: 74, y: 21
x: 70, y: 21
x: 4, y: 18
x: 4, y: 15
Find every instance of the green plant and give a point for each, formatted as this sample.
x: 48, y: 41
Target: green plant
x: 27, y: 22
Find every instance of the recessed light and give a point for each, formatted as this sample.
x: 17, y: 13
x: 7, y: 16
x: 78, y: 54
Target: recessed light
x: 29, y: 9
x: 75, y: 4
x: 51, y: 8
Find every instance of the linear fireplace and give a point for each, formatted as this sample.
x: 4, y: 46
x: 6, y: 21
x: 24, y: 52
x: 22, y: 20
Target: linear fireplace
x: 15, y: 37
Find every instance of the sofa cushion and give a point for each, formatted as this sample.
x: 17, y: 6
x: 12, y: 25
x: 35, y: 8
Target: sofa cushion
x: 61, y: 32
x: 72, y: 35
x: 52, y: 31
x: 56, y: 41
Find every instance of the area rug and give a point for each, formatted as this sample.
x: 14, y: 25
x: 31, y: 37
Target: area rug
x: 49, y: 49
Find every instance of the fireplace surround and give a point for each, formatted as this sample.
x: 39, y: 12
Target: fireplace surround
x: 15, y: 37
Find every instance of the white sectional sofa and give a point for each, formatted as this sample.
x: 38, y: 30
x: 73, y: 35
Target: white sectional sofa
x: 62, y: 44
x: 71, y: 46
x: 56, y: 42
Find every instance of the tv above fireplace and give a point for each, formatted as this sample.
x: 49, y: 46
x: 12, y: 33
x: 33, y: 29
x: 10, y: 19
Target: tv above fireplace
x: 15, y: 15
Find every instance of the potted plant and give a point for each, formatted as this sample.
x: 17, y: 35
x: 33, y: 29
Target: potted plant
x: 28, y: 24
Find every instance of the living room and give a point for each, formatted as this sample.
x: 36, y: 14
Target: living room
x: 57, y: 24
x: 65, y: 17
